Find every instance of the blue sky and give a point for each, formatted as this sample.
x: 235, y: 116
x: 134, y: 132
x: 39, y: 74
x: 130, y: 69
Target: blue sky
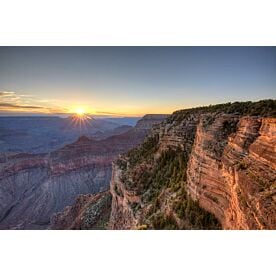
x: 132, y: 80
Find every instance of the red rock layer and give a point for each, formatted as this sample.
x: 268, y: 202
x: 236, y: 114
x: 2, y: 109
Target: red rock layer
x: 231, y: 170
x: 238, y: 186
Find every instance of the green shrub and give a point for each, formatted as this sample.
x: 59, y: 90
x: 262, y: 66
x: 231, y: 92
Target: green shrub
x: 196, y: 217
x: 164, y: 222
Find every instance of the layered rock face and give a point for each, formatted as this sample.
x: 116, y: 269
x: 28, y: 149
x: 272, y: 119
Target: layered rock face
x: 32, y: 188
x: 35, y: 186
x: 234, y: 176
x: 204, y: 168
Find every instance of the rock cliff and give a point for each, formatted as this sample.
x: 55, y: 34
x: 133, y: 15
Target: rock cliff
x: 203, y: 168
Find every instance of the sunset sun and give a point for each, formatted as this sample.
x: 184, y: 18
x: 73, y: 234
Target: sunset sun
x: 80, y: 118
x: 80, y: 111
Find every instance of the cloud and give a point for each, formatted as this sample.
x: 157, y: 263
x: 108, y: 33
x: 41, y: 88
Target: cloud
x: 9, y: 97
x: 11, y: 101
x: 3, y: 93
x: 6, y: 94
x: 15, y: 106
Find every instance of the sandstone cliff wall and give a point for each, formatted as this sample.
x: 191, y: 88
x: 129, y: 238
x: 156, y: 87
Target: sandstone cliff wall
x: 229, y: 171
x: 237, y: 181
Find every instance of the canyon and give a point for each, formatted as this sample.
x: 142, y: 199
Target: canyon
x: 34, y: 187
x: 211, y: 167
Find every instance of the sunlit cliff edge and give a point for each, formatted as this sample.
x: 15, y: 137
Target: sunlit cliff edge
x: 203, y: 168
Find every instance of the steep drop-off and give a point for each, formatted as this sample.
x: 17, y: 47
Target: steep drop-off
x: 35, y: 186
x: 203, y: 168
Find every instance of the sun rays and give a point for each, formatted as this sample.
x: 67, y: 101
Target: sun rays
x: 80, y: 119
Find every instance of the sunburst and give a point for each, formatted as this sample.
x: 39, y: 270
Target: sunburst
x: 80, y: 118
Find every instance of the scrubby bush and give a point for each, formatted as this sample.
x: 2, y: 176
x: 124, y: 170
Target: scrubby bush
x: 197, y: 218
x: 144, y: 151
x: 164, y: 222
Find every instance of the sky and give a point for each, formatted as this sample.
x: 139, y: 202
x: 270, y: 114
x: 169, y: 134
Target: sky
x: 131, y: 81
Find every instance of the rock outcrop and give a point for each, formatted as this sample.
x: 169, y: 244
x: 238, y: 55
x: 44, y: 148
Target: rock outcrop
x: 203, y: 168
x: 87, y: 213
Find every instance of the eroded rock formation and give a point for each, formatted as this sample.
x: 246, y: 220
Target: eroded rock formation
x: 88, y: 212
x: 204, y: 168
x: 236, y: 181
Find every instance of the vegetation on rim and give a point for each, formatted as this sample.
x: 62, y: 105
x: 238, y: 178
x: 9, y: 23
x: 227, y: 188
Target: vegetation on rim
x: 264, y: 108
